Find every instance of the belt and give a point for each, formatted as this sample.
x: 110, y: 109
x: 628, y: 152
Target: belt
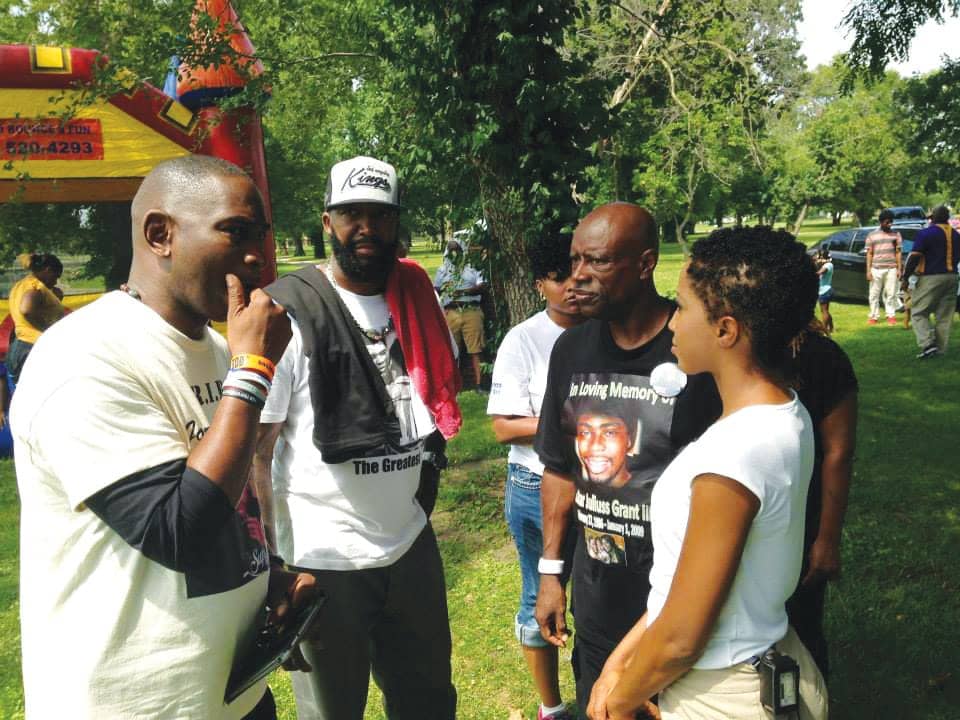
x: 461, y: 305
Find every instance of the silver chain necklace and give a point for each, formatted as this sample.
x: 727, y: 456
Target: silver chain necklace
x: 377, y: 335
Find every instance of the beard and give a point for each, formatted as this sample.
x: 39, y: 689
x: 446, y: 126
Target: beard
x: 373, y: 269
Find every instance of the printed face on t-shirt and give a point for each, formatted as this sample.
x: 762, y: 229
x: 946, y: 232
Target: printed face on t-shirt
x: 603, y: 442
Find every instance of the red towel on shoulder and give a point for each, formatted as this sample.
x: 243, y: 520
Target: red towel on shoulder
x: 425, y: 340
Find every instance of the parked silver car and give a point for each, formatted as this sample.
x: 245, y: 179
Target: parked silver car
x: 849, y: 253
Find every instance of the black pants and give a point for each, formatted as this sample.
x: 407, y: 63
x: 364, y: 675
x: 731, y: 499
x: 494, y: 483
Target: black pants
x: 391, y: 620
x: 587, y: 661
x: 805, y: 611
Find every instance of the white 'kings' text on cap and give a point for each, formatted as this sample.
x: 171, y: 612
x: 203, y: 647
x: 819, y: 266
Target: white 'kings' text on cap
x: 362, y: 179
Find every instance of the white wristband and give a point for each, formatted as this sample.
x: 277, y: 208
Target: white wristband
x: 550, y: 567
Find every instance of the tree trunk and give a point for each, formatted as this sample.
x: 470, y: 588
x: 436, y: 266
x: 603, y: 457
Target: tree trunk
x: 801, y: 216
x: 298, y: 244
x: 118, y: 222
x: 835, y: 217
x: 681, y: 235
x: 316, y: 237
x: 510, y: 283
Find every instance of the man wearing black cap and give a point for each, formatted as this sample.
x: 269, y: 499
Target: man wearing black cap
x: 935, y: 254
x: 361, y: 402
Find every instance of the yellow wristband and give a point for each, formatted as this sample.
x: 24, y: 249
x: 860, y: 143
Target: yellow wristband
x: 254, y: 362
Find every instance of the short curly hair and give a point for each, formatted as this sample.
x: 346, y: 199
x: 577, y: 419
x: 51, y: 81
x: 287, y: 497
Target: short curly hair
x: 550, y: 255
x: 763, y: 278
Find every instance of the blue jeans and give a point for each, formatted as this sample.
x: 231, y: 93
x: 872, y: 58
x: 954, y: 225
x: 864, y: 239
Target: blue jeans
x: 16, y: 357
x: 522, y: 510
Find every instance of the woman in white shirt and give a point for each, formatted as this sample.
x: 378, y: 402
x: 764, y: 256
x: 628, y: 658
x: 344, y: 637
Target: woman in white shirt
x: 728, y: 512
x: 516, y: 394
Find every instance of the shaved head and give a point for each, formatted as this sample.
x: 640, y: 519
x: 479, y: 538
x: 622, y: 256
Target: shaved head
x: 183, y: 181
x: 629, y: 227
x: 613, y: 256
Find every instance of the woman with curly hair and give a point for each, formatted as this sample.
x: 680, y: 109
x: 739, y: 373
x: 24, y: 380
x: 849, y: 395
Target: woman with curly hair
x: 728, y: 512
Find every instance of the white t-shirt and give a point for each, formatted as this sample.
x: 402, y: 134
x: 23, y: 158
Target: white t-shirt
x: 448, y: 274
x: 361, y: 513
x: 769, y: 450
x: 520, y: 377
x: 109, y: 391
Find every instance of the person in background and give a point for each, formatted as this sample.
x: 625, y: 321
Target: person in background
x: 460, y: 286
x: 35, y: 306
x: 516, y: 394
x: 883, y: 268
x: 825, y: 292
x: 404, y: 241
x: 827, y: 387
x: 6, y: 439
x: 727, y: 513
x: 935, y: 256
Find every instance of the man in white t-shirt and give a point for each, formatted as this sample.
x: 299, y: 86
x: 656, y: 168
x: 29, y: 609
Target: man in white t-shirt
x: 143, y: 566
x: 342, y: 452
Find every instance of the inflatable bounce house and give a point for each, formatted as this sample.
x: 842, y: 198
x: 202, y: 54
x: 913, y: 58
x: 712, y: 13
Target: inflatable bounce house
x: 102, y: 151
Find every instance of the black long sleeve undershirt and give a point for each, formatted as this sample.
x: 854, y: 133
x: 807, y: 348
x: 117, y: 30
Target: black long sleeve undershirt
x: 170, y: 512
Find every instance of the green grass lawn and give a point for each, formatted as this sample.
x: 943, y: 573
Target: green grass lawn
x: 891, y: 617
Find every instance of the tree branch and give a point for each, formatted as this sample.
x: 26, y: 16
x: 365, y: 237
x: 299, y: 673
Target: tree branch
x: 621, y: 94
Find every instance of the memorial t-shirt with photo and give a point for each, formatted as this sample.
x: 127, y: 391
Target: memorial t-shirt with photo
x: 613, y: 419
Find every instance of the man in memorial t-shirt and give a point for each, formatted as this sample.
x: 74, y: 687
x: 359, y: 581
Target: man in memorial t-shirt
x: 616, y: 412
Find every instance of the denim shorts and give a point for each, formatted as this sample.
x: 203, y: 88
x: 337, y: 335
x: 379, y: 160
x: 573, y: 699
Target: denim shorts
x: 522, y: 510
x: 826, y: 296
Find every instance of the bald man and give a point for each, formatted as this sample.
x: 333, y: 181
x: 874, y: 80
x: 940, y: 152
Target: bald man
x: 143, y: 565
x: 621, y: 360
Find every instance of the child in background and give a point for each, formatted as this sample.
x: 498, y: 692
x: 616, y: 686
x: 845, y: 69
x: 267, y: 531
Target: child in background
x: 825, y: 272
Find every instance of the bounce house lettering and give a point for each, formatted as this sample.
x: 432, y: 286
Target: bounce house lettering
x: 50, y: 139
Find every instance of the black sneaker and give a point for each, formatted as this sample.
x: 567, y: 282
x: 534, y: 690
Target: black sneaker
x: 927, y: 352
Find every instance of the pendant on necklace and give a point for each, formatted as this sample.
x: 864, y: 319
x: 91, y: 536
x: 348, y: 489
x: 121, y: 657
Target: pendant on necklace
x: 372, y: 334
x: 378, y: 336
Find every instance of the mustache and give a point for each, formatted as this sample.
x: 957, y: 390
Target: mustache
x: 375, y: 239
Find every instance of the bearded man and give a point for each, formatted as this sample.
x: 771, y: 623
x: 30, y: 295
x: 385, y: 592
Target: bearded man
x: 361, y: 403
